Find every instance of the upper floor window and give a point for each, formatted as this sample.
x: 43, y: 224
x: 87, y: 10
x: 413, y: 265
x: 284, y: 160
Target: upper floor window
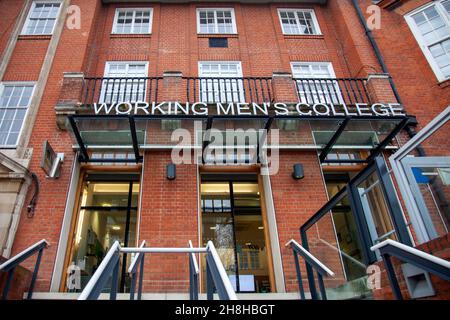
x: 316, y: 82
x: 221, y: 81
x: 298, y: 21
x: 14, y: 102
x: 215, y: 20
x: 42, y: 17
x: 124, y: 82
x: 133, y: 21
x: 431, y: 27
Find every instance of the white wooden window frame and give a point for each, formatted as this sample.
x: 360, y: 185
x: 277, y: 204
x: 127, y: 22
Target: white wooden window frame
x: 25, y: 118
x: 332, y: 75
x: 33, y: 6
x: 417, y: 34
x: 313, y: 16
x: 116, y: 18
x: 233, y: 18
x: 205, y: 97
x: 105, y: 84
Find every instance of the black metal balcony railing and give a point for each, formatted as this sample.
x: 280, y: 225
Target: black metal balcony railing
x: 226, y: 90
x: 109, y: 90
x: 337, y: 91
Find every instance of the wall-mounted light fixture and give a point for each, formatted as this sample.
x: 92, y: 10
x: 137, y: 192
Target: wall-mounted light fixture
x: 171, y: 171
x: 298, y: 172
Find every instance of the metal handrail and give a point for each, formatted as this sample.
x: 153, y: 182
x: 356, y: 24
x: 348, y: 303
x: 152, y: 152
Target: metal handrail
x: 10, y: 265
x: 137, y: 260
x: 321, y: 269
x: 109, y: 264
x: 216, y: 274
x: 390, y: 248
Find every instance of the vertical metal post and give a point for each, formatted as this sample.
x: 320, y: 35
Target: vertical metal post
x: 195, y: 286
x: 191, y: 280
x: 323, y: 292
x: 133, y: 285
x: 209, y: 283
x: 35, y: 272
x: 7, y: 284
x: 299, y: 275
x: 392, y: 278
x: 115, y: 279
x: 309, y: 270
x: 141, y: 276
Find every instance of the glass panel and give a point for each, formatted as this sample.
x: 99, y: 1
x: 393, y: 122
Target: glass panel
x: 234, y: 141
x: 102, y: 220
x: 217, y: 223
x: 434, y: 187
x: 334, y: 241
x: 375, y: 209
x: 250, y: 239
x: 106, y: 132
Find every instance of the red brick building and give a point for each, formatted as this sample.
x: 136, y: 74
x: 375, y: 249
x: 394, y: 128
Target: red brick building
x: 114, y: 86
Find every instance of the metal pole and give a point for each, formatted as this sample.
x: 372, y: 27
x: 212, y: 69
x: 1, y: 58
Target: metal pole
x: 114, y: 280
x: 392, y: 278
x: 35, y: 272
x: 141, y: 276
x: 8, y: 283
x: 209, y: 283
x: 323, y: 292
x: 299, y: 275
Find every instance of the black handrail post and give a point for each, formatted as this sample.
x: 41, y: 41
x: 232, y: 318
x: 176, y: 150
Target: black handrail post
x: 392, y: 277
x: 323, y: 292
x: 132, y: 285
x: 35, y: 272
x: 141, y: 276
x: 191, y: 280
x: 299, y: 275
x: 8, y: 284
x: 309, y: 270
x: 115, y: 279
x: 209, y: 283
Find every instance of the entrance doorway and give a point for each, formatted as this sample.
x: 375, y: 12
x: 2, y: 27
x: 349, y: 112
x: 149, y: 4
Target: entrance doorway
x: 232, y: 218
x: 107, y: 213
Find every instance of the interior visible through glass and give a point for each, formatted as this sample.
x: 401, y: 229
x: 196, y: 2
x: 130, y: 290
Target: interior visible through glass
x: 108, y: 213
x: 232, y: 219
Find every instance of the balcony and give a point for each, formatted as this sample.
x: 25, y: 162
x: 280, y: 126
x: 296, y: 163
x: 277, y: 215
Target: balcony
x: 108, y: 90
x: 137, y: 114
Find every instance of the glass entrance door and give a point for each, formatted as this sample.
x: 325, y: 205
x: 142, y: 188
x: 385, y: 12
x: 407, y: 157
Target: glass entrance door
x: 107, y: 213
x: 232, y: 219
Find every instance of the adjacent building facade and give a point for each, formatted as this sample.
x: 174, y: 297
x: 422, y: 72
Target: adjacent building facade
x: 232, y: 122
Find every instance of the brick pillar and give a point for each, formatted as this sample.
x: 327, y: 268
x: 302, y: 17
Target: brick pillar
x: 71, y: 88
x: 70, y: 97
x: 379, y: 88
x: 284, y: 88
x: 172, y: 87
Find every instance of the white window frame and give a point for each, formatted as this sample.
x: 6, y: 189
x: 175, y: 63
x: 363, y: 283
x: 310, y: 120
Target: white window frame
x: 116, y: 17
x: 32, y: 7
x: 233, y: 18
x: 332, y: 75
x: 313, y: 16
x: 18, y: 84
x: 216, y: 98
x: 418, y: 36
x: 106, y: 75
